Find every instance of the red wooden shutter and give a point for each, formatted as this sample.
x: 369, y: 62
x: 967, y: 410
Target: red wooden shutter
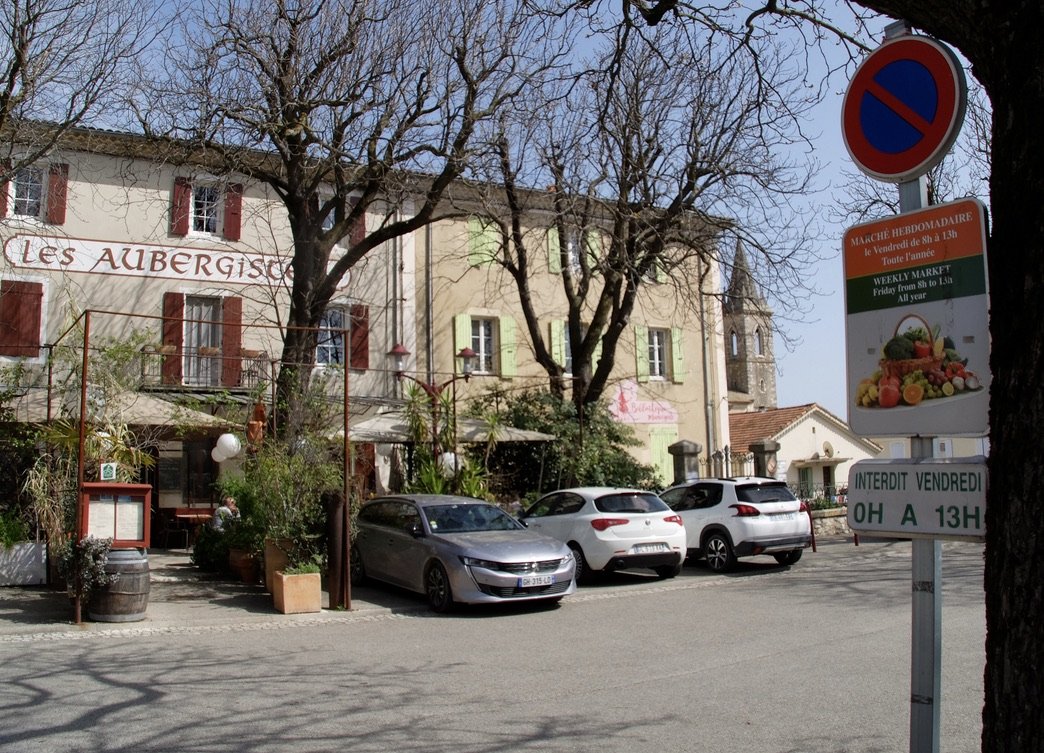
x: 57, y: 193
x: 173, y: 336
x: 21, y: 305
x: 233, y: 212
x: 231, y: 341
x: 180, y: 205
x: 359, y: 331
x: 5, y: 187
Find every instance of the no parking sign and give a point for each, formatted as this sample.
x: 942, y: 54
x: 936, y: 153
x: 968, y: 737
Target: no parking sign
x: 904, y: 108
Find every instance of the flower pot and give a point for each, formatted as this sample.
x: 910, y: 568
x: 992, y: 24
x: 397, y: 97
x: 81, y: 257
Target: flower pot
x: 244, y: 565
x: 277, y: 557
x: 23, y: 564
x: 296, y: 594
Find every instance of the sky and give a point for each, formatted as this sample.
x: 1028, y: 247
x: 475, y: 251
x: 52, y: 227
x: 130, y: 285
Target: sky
x: 813, y: 370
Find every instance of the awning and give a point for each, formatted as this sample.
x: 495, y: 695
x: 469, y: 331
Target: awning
x: 391, y: 428
x: 131, y: 408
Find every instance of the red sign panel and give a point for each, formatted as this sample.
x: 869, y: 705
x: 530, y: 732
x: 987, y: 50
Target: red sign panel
x: 904, y: 108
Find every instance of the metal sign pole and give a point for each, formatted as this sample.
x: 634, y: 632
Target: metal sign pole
x: 926, y: 585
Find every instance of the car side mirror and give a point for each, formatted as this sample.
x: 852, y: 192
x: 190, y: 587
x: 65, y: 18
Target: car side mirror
x: 416, y: 530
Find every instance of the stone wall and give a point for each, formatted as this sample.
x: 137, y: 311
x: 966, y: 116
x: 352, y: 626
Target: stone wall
x: 831, y: 522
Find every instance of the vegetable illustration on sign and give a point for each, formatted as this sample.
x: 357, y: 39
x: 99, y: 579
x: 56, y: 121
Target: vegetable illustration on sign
x: 917, y: 364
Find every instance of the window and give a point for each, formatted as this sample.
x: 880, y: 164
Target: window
x: 202, y: 354
x: 330, y: 347
x: 202, y: 340
x: 205, y: 201
x: 21, y: 304
x: 734, y: 343
x: 28, y: 192
x: 482, y: 344
x: 658, y: 353
x: 568, y: 251
x: 493, y: 340
x: 207, y: 208
x: 759, y: 342
x: 37, y: 193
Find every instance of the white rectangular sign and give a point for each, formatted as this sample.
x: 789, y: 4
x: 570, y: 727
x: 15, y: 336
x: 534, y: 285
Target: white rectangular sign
x: 942, y: 498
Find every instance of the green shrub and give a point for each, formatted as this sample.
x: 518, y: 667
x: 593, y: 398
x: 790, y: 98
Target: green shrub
x: 13, y: 528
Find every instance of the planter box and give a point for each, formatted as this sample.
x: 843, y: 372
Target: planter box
x: 277, y: 557
x: 24, y: 564
x: 295, y: 594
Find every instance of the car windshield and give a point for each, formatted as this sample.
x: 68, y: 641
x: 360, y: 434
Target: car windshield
x: 468, y: 518
x: 755, y: 493
x: 630, y: 502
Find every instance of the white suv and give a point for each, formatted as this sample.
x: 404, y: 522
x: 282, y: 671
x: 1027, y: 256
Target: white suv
x: 727, y: 518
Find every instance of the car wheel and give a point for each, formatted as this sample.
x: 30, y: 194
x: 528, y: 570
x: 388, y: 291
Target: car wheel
x: 718, y: 552
x: 583, y: 571
x: 356, y: 570
x: 437, y: 588
x: 788, y: 558
x: 667, y: 571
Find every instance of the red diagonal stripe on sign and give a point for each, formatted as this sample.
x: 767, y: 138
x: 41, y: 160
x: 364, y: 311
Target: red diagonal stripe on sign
x: 897, y: 106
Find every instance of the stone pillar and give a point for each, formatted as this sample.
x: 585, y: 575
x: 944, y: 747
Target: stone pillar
x: 764, y: 457
x: 686, y: 456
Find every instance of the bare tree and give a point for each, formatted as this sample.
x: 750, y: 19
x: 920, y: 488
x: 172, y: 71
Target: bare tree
x: 1001, y: 44
x: 66, y: 63
x: 345, y: 109
x: 651, y: 155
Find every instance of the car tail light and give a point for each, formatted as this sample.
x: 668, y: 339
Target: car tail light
x: 745, y: 511
x: 673, y: 519
x: 600, y: 524
x: 804, y: 507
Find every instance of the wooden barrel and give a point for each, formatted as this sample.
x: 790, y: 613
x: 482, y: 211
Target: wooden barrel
x: 126, y: 599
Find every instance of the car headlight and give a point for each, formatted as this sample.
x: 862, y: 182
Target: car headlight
x: 486, y: 564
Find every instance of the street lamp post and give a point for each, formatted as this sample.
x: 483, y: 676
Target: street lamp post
x: 398, y: 354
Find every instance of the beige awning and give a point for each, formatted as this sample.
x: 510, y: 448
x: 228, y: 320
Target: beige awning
x: 391, y: 428
x: 131, y: 408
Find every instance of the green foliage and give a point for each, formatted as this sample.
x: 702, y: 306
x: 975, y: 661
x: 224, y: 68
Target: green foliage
x: 82, y: 564
x: 13, y: 528
x: 279, y: 495
x: 591, y: 451
x: 303, y: 568
x: 210, y: 552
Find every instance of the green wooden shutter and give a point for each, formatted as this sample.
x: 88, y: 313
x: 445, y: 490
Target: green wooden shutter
x: 482, y: 241
x: 508, y: 348
x: 461, y: 334
x: 660, y: 438
x: 557, y: 336
x: 641, y: 353
x: 593, y: 248
x: 554, y: 252
x: 677, y: 359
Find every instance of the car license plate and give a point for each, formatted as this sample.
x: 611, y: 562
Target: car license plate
x: 647, y: 548
x: 784, y: 516
x: 528, y: 581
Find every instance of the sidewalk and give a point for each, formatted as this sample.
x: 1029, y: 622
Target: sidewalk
x: 182, y: 599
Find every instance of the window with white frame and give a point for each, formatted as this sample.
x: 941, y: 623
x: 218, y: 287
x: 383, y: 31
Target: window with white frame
x: 658, y: 353
x: 206, y: 201
x: 330, y: 347
x: 483, y: 343
x: 28, y: 192
x: 202, y: 338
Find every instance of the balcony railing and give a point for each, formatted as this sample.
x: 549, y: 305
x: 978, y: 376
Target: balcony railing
x: 202, y: 368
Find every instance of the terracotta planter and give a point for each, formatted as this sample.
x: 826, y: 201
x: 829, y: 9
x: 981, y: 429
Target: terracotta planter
x: 296, y: 594
x: 277, y: 557
x: 244, y: 565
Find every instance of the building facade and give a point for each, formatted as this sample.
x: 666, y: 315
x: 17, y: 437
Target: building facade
x: 194, y: 266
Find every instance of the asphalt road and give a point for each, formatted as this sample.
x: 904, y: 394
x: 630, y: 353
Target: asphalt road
x: 812, y: 659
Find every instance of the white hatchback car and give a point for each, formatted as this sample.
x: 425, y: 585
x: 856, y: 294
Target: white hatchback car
x: 611, y: 529
x: 727, y: 518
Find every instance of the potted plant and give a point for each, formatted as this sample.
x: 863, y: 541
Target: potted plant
x: 298, y: 588
x: 22, y: 562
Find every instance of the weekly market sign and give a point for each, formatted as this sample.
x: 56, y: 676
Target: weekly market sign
x: 917, y: 322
